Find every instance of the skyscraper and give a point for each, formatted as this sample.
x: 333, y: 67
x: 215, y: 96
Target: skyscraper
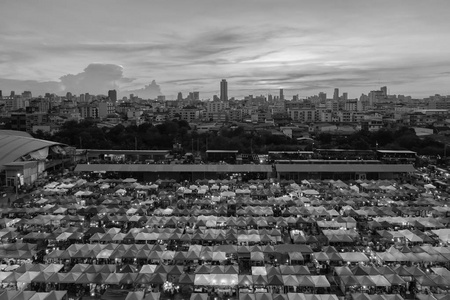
x: 281, y: 94
x: 344, y: 96
x: 323, y: 97
x: 384, y: 90
x: 336, y: 94
x: 223, y: 90
x: 180, y: 96
x: 1, y: 95
x: 196, y: 96
x: 112, y: 95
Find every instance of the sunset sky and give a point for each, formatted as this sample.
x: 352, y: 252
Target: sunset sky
x: 259, y: 46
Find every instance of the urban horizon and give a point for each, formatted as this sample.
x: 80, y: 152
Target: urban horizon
x: 288, y: 94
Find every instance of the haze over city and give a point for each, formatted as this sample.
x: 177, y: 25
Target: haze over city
x: 259, y: 46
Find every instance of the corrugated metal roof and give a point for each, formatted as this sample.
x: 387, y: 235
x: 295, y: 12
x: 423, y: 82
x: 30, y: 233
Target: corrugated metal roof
x: 13, y: 147
x: 344, y: 168
x: 222, y: 151
x: 299, y: 168
x: 15, y: 133
x: 135, y: 152
x: 397, y: 151
x: 172, y: 168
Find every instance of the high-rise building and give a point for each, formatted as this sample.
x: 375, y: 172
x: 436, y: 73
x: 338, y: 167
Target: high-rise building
x: 193, y: 96
x: 336, y: 94
x: 344, y: 96
x: 180, y: 96
x: 384, y: 90
x: 375, y: 97
x: 323, y: 97
x: 112, y: 95
x: 1, y: 95
x: 223, y: 90
x: 27, y: 95
x: 196, y: 96
x: 281, y: 94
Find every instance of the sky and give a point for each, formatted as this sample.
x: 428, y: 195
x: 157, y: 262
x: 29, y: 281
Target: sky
x: 258, y: 46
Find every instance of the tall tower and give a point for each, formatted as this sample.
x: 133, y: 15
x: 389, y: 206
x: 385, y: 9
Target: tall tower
x: 112, y: 95
x: 336, y: 94
x: 344, y: 96
x: 223, y: 90
x: 180, y: 96
x: 323, y: 97
x: 281, y: 94
x: 384, y: 91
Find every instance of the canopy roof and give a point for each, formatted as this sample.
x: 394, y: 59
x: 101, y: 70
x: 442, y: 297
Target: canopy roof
x: 13, y: 147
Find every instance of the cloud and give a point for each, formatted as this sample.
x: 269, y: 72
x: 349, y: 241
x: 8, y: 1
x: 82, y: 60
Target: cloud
x: 150, y: 91
x: 37, y: 88
x: 96, y: 78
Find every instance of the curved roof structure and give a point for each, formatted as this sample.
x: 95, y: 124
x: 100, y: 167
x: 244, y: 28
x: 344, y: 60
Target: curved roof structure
x: 15, y: 133
x: 13, y: 147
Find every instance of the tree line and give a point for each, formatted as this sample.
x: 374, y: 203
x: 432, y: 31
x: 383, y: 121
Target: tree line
x: 88, y: 134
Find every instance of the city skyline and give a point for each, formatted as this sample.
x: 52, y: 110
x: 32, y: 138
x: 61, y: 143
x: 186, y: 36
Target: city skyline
x: 302, y: 47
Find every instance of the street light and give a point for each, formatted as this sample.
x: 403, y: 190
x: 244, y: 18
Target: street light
x: 17, y: 185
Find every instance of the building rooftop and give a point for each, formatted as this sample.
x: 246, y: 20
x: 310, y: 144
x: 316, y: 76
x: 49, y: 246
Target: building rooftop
x: 344, y: 168
x: 172, y: 168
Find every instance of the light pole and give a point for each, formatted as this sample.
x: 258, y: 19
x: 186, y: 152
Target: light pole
x: 17, y: 185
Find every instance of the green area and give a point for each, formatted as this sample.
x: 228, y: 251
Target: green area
x: 87, y: 134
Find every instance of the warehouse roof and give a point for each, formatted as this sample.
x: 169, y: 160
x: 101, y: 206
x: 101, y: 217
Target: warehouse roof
x: 172, y: 168
x: 344, y: 168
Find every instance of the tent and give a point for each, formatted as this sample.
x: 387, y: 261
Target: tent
x: 320, y: 281
x: 199, y: 296
x: 135, y: 295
